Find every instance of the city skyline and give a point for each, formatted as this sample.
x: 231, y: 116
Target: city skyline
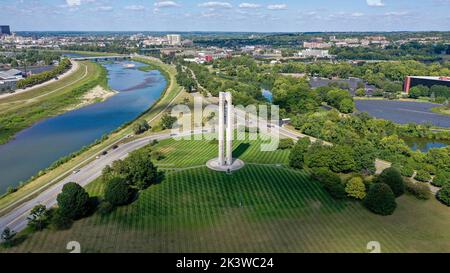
x: 248, y: 16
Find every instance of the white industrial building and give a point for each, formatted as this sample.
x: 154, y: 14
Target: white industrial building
x: 8, y: 80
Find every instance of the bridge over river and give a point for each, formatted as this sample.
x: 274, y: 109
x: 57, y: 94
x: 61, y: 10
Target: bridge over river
x: 102, y: 58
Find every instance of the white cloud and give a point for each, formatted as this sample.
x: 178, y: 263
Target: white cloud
x: 396, y: 13
x: 249, y: 6
x: 277, y: 7
x: 375, y: 3
x: 166, y: 4
x: 135, y: 7
x: 103, y: 8
x: 215, y: 5
x: 357, y: 14
x: 72, y: 3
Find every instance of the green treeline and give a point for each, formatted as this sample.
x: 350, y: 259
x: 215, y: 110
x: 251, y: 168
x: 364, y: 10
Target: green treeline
x: 32, y: 80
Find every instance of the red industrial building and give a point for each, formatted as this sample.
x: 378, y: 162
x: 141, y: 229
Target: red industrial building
x: 412, y: 81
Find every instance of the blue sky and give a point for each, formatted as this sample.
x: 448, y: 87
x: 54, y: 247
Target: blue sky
x: 232, y: 15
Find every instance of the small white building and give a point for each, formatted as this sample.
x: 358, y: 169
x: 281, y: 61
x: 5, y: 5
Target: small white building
x: 314, y: 53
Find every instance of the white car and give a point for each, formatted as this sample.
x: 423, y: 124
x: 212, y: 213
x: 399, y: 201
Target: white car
x: 76, y: 171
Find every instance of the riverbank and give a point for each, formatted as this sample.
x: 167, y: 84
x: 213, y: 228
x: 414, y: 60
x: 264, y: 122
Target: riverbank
x: 24, y: 110
x: 95, y: 95
x: 53, y: 176
x: 443, y: 110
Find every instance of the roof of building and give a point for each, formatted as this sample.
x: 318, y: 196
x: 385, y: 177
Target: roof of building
x: 10, y: 74
x: 435, y: 78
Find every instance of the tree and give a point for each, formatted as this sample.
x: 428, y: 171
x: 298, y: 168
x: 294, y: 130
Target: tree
x: 380, y: 199
x: 141, y: 171
x: 38, y: 218
x: 319, y: 156
x: 60, y: 221
x: 117, y: 192
x: 167, y: 121
x: 443, y: 195
x: 297, y: 155
x: 73, y: 201
x: 346, y: 106
x: 393, y: 178
x: 364, y: 156
x: 331, y: 182
x: 140, y: 127
x: 360, y: 92
x: 286, y: 143
x: 342, y: 160
x: 355, y: 188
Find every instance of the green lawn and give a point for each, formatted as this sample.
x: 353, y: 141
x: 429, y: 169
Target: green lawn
x: 261, y: 208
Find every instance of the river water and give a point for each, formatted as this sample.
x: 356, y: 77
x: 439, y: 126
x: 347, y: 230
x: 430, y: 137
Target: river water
x: 37, y: 147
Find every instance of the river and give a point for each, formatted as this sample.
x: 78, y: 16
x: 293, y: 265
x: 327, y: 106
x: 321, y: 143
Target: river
x: 38, y: 146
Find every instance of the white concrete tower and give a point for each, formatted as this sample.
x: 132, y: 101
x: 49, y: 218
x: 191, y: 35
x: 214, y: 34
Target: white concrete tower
x: 221, y: 128
x: 225, y: 133
x: 225, y: 161
x: 230, y: 122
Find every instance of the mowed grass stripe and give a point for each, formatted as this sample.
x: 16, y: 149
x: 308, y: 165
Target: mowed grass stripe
x: 283, y: 210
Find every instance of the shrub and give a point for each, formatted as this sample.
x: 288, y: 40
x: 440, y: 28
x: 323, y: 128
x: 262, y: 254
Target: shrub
x: 60, y: 221
x: 419, y: 190
x: 443, y: 195
x: 117, y: 192
x: 355, y: 188
x: 393, y: 178
x: 441, y: 179
x: 407, y: 171
x: 157, y: 155
x: 380, y: 199
x: 423, y: 176
x: 331, y: 182
x: 38, y: 218
x: 73, y: 201
x: 105, y: 208
x: 286, y: 143
x: 360, y: 92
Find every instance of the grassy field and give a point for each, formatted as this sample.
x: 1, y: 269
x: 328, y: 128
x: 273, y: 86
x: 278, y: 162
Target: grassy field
x: 30, y: 190
x: 21, y: 111
x: 443, y: 110
x: 264, y: 207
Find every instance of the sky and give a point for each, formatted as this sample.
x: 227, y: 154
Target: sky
x: 232, y: 15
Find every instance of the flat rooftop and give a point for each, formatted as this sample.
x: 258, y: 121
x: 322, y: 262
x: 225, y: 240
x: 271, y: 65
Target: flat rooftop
x: 436, y: 78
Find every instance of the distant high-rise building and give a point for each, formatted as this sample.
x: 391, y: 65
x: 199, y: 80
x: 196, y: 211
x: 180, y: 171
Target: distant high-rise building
x: 174, y: 39
x: 4, y: 30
